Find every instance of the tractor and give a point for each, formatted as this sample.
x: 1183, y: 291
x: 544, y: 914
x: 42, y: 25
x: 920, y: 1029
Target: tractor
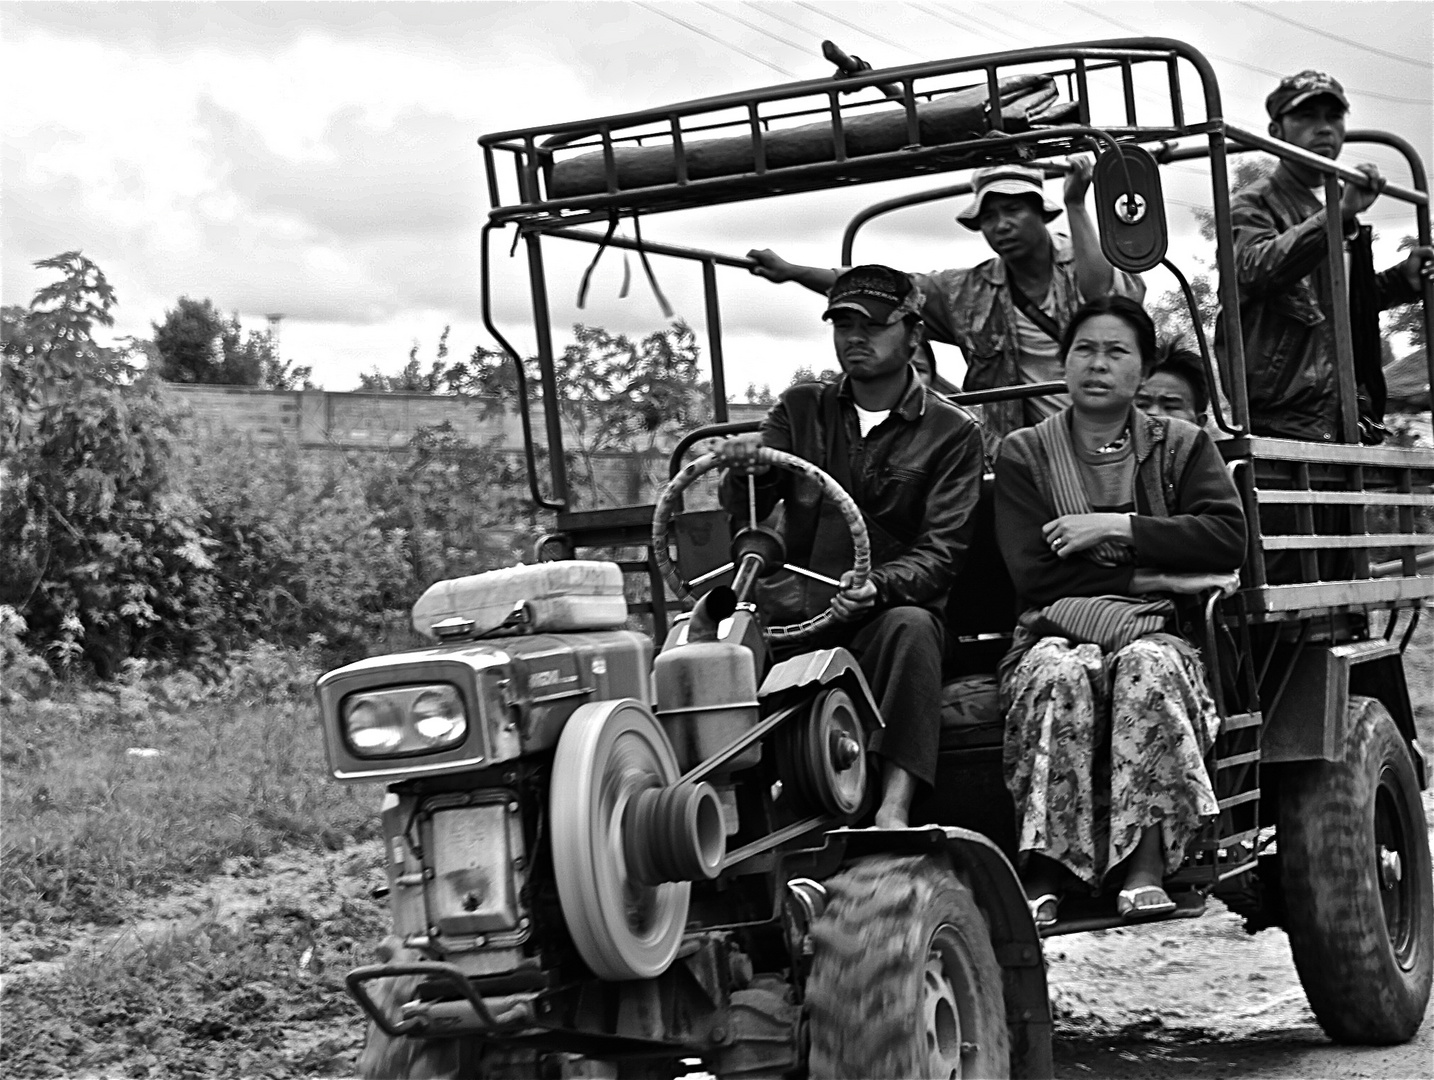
x: 623, y: 840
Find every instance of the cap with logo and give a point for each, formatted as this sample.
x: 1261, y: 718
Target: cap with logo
x: 880, y: 293
x: 1007, y: 180
x: 1295, y: 90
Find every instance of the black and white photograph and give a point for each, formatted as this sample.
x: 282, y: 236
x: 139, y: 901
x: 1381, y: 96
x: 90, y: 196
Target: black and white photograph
x: 631, y: 539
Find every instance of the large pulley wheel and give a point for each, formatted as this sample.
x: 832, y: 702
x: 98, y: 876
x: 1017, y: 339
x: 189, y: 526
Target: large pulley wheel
x: 609, y: 754
x: 851, y: 513
x: 821, y: 758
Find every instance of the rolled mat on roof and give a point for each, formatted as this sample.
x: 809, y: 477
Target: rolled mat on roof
x: 950, y: 118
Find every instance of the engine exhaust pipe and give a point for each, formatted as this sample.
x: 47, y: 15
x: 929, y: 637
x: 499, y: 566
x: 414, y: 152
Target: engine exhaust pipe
x: 707, y: 616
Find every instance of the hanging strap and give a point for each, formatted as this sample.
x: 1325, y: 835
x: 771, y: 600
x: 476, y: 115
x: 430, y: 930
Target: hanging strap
x: 1044, y: 323
x: 588, y: 273
x: 651, y: 277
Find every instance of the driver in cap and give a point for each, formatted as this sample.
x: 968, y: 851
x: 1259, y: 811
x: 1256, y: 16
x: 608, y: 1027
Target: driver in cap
x: 911, y: 462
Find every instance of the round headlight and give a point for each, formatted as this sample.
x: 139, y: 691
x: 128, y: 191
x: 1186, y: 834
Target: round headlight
x: 438, y: 715
x: 373, y: 725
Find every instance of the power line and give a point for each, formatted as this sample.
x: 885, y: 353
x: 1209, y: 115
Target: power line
x: 767, y: 11
x: 1335, y: 37
x: 657, y: 10
x: 1240, y: 63
x: 952, y: 22
x: 752, y: 26
x: 853, y: 26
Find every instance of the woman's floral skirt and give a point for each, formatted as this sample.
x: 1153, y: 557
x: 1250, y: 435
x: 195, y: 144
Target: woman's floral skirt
x: 1098, y: 748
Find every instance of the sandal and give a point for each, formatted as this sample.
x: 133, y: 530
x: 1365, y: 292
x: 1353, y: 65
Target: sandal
x: 1143, y: 901
x: 1044, y: 909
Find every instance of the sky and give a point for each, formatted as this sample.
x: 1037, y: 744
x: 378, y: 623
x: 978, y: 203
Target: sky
x: 320, y: 160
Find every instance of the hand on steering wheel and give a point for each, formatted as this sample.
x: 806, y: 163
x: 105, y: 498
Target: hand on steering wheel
x: 852, y: 601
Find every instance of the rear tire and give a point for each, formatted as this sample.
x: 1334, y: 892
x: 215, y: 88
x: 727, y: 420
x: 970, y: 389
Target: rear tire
x: 904, y: 980
x: 1355, y: 872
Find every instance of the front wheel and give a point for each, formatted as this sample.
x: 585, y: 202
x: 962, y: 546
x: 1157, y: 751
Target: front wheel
x: 904, y: 980
x: 1354, y: 866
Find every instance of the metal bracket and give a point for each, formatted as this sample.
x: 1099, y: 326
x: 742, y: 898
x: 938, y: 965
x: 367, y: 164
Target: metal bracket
x: 431, y: 969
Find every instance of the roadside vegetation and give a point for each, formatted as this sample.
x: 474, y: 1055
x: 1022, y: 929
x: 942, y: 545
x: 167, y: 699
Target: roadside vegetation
x: 120, y: 796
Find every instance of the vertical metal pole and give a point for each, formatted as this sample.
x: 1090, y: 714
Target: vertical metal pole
x: 552, y: 405
x: 1127, y: 82
x: 1233, y: 367
x: 1339, y: 296
x: 714, y: 342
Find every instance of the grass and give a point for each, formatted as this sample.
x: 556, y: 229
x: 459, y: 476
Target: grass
x: 133, y: 788
x: 94, y: 833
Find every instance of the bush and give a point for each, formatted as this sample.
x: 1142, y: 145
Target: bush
x: 126, y: 542
x: 106, y: 558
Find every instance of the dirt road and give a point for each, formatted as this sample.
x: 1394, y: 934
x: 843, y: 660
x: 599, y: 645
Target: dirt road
x: 1202, y: 999
x: 1189, y: 999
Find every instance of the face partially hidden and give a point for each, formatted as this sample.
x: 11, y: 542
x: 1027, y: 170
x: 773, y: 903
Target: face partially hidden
x: 1013, y: 226
x: 1166, y: 394
x: 868, y: 351
x: 1103, y: 366
x: 923, y: 368
x: 1316, y: 125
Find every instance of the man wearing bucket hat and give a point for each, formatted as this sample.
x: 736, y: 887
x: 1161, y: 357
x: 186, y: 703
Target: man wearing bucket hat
x: 1286, y: 295
x: 1008, y: 313
x: 912, y: 462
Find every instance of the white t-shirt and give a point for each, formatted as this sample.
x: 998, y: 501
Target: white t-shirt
x: 867, y: 419
x: 1040, y: 362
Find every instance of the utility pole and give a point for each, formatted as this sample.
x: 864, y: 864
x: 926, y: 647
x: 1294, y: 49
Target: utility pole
x: 275, y: 318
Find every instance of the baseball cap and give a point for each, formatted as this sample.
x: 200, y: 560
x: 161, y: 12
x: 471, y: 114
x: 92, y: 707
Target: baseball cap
x: 880, y: 293
x: 1007, y: 180
x: 1297, y: 89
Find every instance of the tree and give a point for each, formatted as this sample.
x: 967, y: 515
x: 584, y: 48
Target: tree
x: 620, y: 396
x: 105, y: 554
x: 196, y: 344
x: 1170, y: 310
x: 412, y: 379
x: 1408, y: 319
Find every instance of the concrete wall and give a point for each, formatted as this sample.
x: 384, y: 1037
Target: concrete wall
x: 360, y: 420
x: 322, y: 421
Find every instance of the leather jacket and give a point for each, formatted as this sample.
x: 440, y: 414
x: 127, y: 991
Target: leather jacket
x: 916, y: 477
x: 1287, y: 308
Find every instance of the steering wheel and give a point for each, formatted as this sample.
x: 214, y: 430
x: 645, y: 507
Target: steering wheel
x: 851, y: 513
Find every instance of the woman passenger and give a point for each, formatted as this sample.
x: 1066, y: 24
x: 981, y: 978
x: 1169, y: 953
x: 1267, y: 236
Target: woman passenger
x: 1104, y: 514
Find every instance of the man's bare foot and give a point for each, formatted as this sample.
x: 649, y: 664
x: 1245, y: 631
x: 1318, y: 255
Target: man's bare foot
x: 890, y: 817
x: 897, y: 788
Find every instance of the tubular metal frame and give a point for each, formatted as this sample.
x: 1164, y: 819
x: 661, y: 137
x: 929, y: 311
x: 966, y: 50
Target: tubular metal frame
x: 536, y: 215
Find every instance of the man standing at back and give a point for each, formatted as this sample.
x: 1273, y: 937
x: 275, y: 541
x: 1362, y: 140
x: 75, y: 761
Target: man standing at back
x: 1282, y: 269
x: 912, y: 463
x: 1008, y: 313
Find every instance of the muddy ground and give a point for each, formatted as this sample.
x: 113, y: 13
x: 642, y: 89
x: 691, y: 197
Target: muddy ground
x: 1202, y: 999
x: 1190, y: 998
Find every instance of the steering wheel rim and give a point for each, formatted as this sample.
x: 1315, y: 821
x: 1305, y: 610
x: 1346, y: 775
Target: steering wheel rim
x: 851, y: 514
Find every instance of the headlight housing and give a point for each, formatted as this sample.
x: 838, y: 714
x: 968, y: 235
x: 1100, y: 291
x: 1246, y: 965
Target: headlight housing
x: 403, y: 720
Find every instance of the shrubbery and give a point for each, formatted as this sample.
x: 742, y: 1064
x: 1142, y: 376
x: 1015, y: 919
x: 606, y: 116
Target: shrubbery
x: 124, y: 542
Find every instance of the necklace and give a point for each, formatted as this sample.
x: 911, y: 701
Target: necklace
x: 1116, y: 445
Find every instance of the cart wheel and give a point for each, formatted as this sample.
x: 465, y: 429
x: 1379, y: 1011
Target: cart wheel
x: 1354, y: 865
x: 610, y: 752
